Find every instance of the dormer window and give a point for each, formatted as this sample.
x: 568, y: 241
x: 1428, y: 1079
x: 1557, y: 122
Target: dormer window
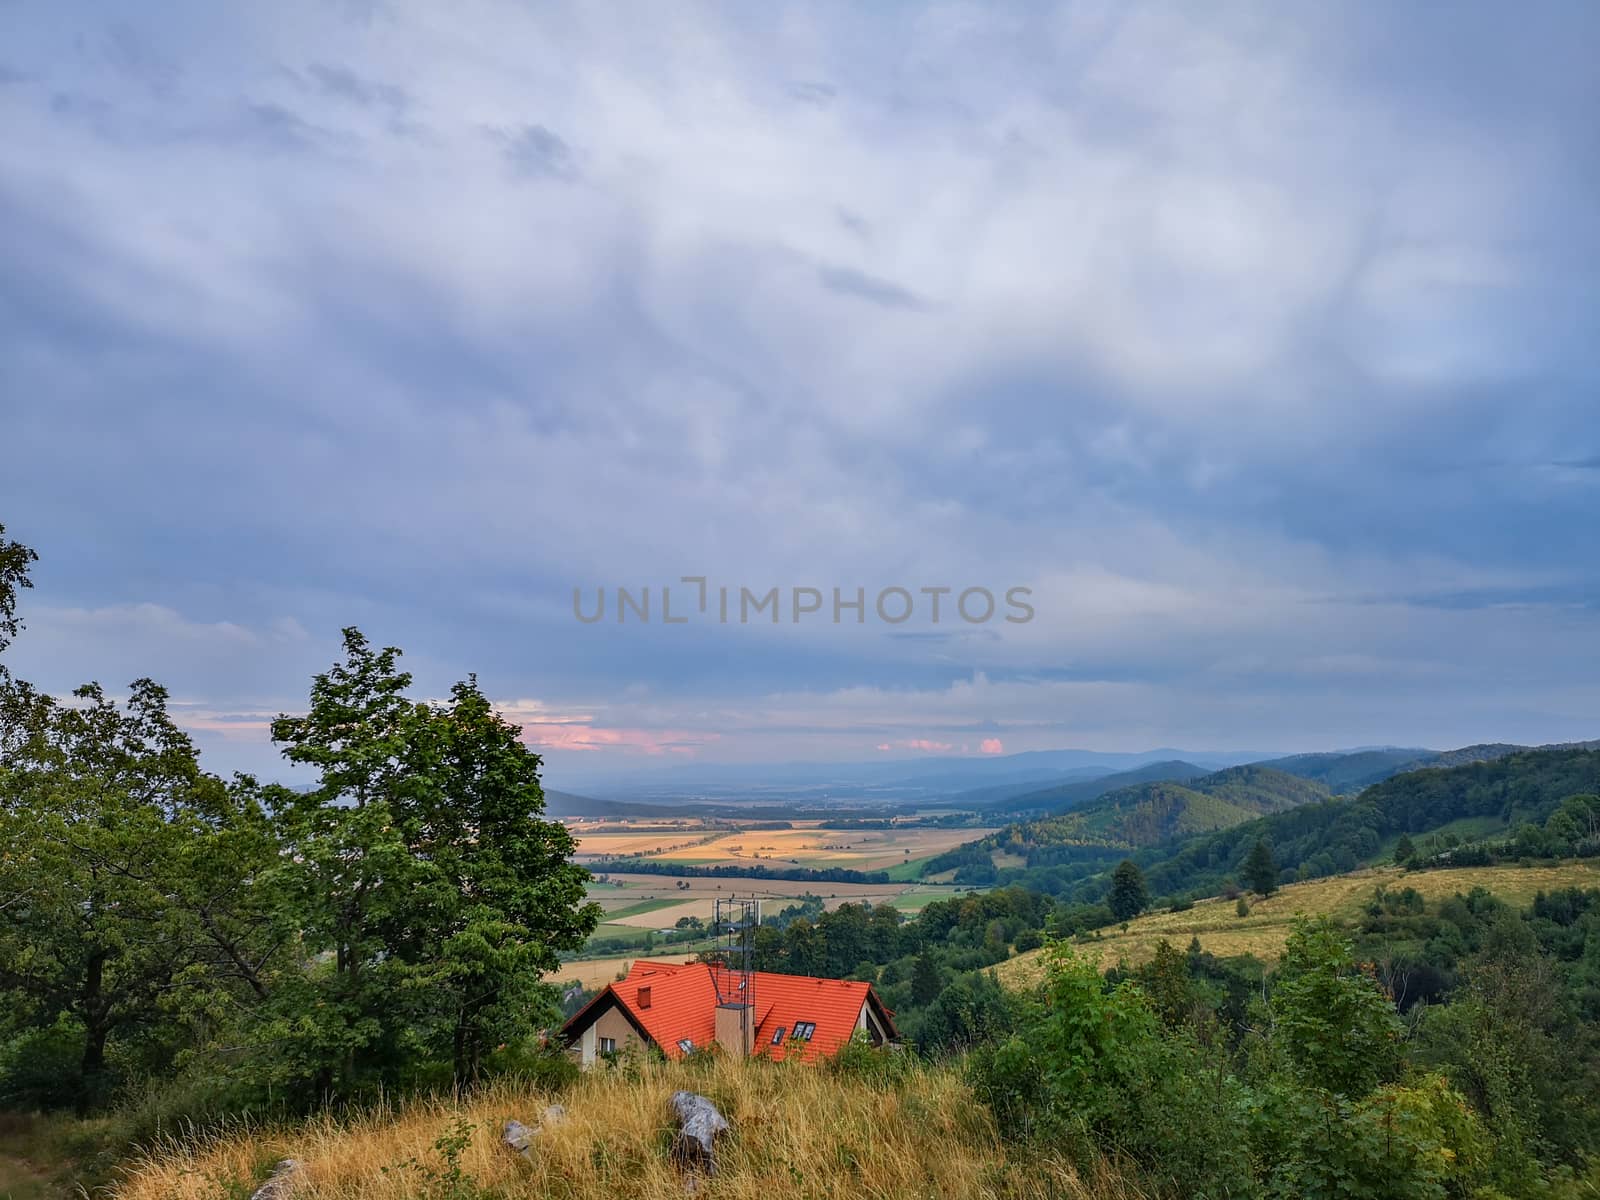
x: 777, y: 1034
x: 803, y: 1030
x: 686, y: 1044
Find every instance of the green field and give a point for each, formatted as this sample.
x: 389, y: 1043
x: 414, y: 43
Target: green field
x: 644, y: 906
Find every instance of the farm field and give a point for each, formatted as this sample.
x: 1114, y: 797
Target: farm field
x: 595, y: 973
x: 1264, y: 932
x: 658, y: 901
x: 810, y: 844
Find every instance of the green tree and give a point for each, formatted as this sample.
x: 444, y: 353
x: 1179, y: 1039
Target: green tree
x: 1169, y: 987
x: 1337, y: 1027
x: 1404, y: 850
x: 1128, y: 896
x: 15, y: 559
x: 973, y: 1010
x: 926, y: 981
x: 505, y: 897
x: 421, y: 870
x: 804, y: 951
x: 105, y: 820
x: 1260, y: 872
x: 1514, y: 1046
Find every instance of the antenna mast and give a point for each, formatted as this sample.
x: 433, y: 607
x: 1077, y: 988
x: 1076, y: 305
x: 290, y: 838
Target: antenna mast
x: 736, y: 922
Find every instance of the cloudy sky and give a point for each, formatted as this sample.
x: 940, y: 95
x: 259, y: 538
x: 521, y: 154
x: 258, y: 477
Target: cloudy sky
x: 1257, y: 340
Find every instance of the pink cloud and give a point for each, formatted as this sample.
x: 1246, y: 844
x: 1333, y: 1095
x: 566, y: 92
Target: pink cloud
x: 992, y: 746
x: 546, y: 729
x: 234, y: 727
x: 931, y: 747
x: 883, y: 746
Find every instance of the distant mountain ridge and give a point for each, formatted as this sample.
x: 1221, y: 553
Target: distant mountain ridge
x: 1348, y: 773
x: 1072, y: 793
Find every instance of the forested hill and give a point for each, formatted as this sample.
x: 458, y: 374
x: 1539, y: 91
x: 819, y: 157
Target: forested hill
x: 1065, y: 796
x: 1509, y: 804
x: 1142, y: 815
x: 1347, y: 774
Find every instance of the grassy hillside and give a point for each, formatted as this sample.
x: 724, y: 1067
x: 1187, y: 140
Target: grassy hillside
x: 1265, y: 930
x: 796, y: 1131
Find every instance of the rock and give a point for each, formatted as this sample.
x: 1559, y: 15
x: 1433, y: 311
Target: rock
x: 699, y: 1123
x: 520, y: 1137
x: 280, y: 1183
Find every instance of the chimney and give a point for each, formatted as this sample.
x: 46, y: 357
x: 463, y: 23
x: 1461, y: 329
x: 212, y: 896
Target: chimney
x: 644, y: 997
x: 736, y: 1028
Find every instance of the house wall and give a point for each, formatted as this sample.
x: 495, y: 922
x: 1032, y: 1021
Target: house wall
x: 866, y: 1022
x: 610, y: 1024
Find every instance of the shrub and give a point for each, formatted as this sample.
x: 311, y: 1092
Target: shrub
x: 546, y: 1067
x: 879, y: 1066
x: 39, y: 1069
x: 1028, y: 939
x: 1095, y: 1071
x: 1337, y: 1027
x: 1242, y: 908
x: 1418, y: 1141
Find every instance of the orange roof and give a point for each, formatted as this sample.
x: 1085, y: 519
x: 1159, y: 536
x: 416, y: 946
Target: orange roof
x: 683, y: 1006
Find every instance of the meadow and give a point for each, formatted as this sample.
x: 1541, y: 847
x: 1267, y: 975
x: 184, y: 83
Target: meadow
x: 1266, y: 929
x: 796, y: 1131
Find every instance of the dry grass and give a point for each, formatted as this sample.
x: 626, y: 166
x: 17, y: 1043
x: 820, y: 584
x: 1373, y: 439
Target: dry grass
x: 1264, y: 932
x: 797, y: 1131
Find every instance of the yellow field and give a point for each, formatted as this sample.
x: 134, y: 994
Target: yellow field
x: 618, y: 845
x: 795, y: 1131
x: 809, y: 844
x: 1264, y: 932
x: 595, y: 973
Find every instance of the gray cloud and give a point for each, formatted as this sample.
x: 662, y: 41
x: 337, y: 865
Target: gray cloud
x: 536, y: 153
x: 339, y: 81
x: 819, y: 94
x: 849, y: 282
x: 136, y: 55
x: 1243, y: 340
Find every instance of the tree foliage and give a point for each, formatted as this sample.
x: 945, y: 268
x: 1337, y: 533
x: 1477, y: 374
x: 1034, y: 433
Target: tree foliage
x: 1128, y: 896
x: 15, y: 559
x: 316, y: 943
x: 1260, y: 872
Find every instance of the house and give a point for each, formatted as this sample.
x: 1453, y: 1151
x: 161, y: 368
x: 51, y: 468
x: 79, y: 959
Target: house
x: 683, y: 1007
